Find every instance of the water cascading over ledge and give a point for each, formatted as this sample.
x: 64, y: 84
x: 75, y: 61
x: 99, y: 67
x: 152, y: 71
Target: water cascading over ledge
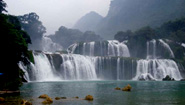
x: 100, y: 48
x: 58, y: 67
x: 158, y: 49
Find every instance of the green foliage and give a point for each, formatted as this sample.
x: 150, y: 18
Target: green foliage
x: 173, y: 30
x: 15, y: 49
x: 121, y: 36
x: 2, y: 6
x: 30, y: 56
x: 31, y: 24
x: 65, y: 37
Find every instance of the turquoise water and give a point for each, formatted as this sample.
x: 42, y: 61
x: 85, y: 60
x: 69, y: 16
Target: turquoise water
x: 143, y: 92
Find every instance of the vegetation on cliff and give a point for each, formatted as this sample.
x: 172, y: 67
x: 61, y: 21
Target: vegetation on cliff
x: 14, y: 43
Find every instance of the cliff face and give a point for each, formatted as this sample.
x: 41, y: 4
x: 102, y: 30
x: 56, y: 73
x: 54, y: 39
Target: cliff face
x: 134, y: 14
x: 88, y: 22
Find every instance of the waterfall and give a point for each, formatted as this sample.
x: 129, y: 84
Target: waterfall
x: 116, y: 48
x: 158, y: 49
x: 77, y: 67
x: 118, y: 68
x: 43, y: 68
x: 49, y: 45
x: 167, y: 47
x: 103, y: 60
x: 103, y: 48
x: 157, y: 69
x: 151, y: 46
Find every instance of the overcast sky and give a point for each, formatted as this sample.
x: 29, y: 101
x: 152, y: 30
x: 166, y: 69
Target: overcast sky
x: 56, y: 13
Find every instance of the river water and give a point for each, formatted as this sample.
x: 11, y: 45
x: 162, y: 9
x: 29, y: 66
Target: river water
x: 143, y: 92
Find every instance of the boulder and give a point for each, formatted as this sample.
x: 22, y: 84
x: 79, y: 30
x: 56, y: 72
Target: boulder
x: 48, y: 101
x: 89, y: 98
x: 117, y: 88
x: 127, y: 88
x: 63, y: 97
x: 2, y: 99
x: 57, y: 98
x: 43, y: 96
x: 182, y: 80
x: 146, y: 77
x: 25, y: 102
x: 168, y: 78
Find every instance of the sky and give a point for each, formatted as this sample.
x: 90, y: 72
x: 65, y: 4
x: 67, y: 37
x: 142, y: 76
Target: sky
x: 56, y: 13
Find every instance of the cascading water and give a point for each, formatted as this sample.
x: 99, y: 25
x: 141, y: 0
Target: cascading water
x: 157, y: 49
x: 157, y: 69
x: 167, y: 47
x: 106, y: 60
x: 104, y: 48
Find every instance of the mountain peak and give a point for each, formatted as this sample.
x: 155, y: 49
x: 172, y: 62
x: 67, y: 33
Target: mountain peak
x: 88, y: 22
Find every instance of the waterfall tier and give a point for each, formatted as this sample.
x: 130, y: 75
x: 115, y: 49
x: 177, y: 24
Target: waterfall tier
x: 100, y: 48
x: 55, y: 67
x: 157, y: 49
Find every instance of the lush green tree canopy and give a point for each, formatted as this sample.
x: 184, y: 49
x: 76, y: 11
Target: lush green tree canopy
x: 2, y: 6
x: 31, y: 24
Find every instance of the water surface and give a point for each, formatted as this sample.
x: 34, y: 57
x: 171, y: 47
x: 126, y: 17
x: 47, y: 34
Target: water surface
x: 143, y: 92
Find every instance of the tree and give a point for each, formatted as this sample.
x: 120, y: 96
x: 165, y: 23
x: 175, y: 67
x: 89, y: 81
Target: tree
x: 15, y: 49
x: 121, y: 36
x: 31, y: 24
x: 2, y: 6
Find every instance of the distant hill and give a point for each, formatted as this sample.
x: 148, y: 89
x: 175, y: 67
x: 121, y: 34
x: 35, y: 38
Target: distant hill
x: 88, y: 22
x: 134, y: 14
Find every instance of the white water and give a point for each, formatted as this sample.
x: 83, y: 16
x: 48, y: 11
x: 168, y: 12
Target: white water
x: 183, y: 44
x: 157, y: 68
x: 56, y: 67
x: 43, y: 70
x: 118, y: 68
x: 49, y: 45
x: 167, y: 47
x: 153, y: 44
x: 77, y: 67
x: 114, y: 48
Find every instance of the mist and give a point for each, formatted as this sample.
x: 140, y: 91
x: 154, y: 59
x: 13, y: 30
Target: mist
x: 56, y: 13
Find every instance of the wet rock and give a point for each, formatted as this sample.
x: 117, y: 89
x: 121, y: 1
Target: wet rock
x: 43, y: 96
x: 182, y: 80
x: 89, y: 98
x: 63, y: 97
x: 117, y: 88
x: 48, y: 101
x: 28, y: 103
x: 25, y: 102
x: 57, y: 98
x: 146, y: 77
x: 168, y: 78
x: 127, y: 88
x: 2, y: 99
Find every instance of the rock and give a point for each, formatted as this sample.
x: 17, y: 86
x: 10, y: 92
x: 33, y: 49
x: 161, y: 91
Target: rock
x: 2, y: 99
x: 57, y: 98
x: 182, y: 80
x: 89, y: 98
x: 48, y: 101
x: 43, y: 96
x: 168, y: 78
x: 25, y: 102
x: 28, y: 103
x: 77, y: 97
x: 63, y: 97
x: 146, y: 77
x: 117, y: 88
x: 127, y: 88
